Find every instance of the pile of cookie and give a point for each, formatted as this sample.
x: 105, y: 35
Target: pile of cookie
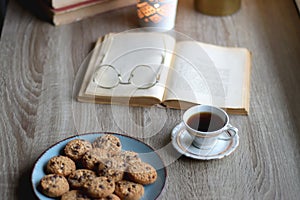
x: 97, y: 170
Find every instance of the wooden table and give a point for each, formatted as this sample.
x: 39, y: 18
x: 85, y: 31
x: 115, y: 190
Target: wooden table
x: 39, y: 65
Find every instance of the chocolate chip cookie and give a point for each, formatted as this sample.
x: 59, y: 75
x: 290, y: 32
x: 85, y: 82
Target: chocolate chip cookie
x: 99, y: 187
x: 127, y: 190
x: 91, y: 159
x: 77, y: 178
x: 54, y: 185
x: 110, y: 197
x: 75, y: 149
x: 142, y: 173
x: 61, y: 165
x: 75, y: 195
x: 130, y: 157
x: 112, y: 167
x: 108, y: 142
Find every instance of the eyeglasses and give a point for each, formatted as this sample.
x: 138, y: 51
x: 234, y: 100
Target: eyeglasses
x: 141, y: 76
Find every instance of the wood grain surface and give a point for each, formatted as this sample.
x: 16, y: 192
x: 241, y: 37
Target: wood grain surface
x: 40, y: 70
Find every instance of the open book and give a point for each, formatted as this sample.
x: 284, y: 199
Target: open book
x: 181, y: 73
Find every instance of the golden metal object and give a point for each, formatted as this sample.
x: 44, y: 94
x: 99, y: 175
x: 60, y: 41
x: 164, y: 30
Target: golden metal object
x: 217, y: 7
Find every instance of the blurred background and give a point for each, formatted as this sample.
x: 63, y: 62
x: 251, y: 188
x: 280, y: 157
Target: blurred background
x: 2, y: 13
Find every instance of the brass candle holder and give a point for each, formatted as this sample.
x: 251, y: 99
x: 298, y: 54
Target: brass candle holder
x: 217, y: 7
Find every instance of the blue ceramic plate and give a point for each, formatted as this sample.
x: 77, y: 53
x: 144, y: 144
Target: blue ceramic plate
x: 146, y: 153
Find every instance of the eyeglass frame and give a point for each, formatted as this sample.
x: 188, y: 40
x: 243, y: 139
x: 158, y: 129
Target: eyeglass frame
x: 157, y: 77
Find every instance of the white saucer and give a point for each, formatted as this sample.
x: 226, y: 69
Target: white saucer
x: 182, y: 142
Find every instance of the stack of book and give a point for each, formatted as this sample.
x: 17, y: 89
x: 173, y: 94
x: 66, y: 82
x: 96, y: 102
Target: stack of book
x: 67, y: 11
x: 298, y: 5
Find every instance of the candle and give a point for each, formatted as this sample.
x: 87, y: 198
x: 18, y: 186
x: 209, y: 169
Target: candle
x: 157, y: 13
x: 217, y: 7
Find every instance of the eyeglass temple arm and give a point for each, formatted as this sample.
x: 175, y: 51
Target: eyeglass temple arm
x: 162, y: 61
x: 106, y: 48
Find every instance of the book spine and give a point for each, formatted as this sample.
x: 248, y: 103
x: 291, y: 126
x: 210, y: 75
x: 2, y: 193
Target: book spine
x: 77, y: 6
x: 56, y: 4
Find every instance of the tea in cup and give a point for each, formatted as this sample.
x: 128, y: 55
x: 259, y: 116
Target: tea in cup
x: 207, y: 124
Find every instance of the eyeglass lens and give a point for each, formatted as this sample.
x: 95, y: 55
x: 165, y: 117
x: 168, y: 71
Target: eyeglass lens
x: 142, y: 77
x: 106, y: 77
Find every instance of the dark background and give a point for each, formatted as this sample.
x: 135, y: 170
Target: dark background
x: 3, y: 4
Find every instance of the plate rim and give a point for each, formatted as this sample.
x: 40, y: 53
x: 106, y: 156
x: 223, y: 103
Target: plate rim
x: 174, y: 134
x: 94, y: 133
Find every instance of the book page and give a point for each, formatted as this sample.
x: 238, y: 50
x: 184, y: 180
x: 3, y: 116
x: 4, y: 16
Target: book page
x: 208, y: 74
x: 124, y: 52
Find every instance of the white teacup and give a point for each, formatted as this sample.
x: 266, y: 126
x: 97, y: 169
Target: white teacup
x: 206, y: 124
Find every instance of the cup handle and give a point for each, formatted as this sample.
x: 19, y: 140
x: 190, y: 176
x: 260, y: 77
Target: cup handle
x: 231, y: 131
